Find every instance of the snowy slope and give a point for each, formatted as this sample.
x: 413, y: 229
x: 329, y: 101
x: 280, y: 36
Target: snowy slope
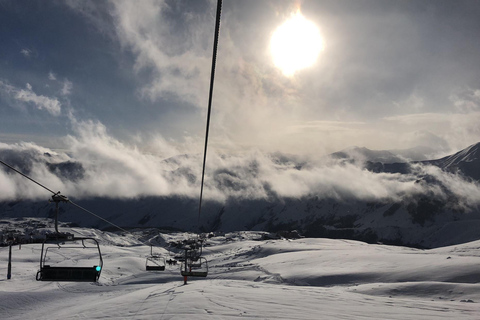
x: 466, y: 162
x: 469, y: 154
x: 257, y: 279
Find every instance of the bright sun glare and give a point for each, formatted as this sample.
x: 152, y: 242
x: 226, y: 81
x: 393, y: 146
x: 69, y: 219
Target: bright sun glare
x: 296, y: 44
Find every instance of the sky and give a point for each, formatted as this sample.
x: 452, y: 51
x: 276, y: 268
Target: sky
x: 391, y: 75
x: 120, y: 88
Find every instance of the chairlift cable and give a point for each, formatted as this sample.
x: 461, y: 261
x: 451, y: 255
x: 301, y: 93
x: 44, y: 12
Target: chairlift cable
x: 212, y: 79
x: 96, y: 215
x: 65, y: 199
x: 41, y: 185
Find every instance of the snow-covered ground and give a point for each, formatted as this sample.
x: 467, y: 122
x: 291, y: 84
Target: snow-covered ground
x: 251, y: 278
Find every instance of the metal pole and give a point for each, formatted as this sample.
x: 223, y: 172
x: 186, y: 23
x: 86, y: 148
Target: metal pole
x: 185, y: 278
x: 9, y: 272
x: 56, y: 217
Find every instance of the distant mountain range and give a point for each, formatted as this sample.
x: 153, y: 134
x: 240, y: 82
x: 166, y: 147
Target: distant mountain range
x: 443, y: 210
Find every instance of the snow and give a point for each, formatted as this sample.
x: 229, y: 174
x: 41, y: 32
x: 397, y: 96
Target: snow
x: 468, y: 154
x: 252, y: 278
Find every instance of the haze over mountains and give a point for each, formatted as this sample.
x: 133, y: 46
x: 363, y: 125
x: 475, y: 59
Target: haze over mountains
x: 357, y: 193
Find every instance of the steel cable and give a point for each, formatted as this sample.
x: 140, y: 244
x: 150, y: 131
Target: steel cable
x: 212, y: 79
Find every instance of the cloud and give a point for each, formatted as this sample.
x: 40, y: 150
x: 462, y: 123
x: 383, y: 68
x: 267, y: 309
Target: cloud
x: 115, y: 169
x: 7, y: 186
x: 467, y: 194
x: 466, y: 101
x: 52, y: 76
x: 30, y: 159
x: 362, y: 90
x: 119, y: 170
x: 51, y: 105
x: 67, y: 87
x: 97, y: 13
x: 414, y: 103
x: 453, y: 131
x: 428, y: 139
x: 145, y: 29
x: 26, y: 52
x: 173, y: 50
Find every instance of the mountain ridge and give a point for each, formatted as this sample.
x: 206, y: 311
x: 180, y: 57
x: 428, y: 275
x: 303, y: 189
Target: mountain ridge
x: 415, y: 219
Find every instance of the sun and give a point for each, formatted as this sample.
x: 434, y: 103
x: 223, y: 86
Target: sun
x: 296, y: 44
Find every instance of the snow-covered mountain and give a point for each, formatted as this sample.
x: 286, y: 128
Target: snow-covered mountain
x: 465, y: 162
x: 425, y: 204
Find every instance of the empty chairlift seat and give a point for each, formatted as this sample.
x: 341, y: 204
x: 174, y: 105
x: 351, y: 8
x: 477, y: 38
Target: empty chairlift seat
x: 198, y: 268
x: 70, y: 260
x: 155, y: 263
x: 78, y: 274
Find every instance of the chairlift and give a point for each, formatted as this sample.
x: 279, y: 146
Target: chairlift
x: 194, y: 265
x: 56, y: 270
x: 154, y: 262
x: 198, y: 268
x: 191, y: 248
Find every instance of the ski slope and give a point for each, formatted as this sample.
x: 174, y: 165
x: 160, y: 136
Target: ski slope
x: 254, y: 279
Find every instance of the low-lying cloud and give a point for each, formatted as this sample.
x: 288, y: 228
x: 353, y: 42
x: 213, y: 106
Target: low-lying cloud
x: 98, y: 165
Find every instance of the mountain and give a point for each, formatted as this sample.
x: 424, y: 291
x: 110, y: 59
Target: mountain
x: 465, y: 162
x: 423, y: 204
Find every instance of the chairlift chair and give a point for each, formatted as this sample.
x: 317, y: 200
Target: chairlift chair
x: 198, y: 268
x: 58, y: 272
x: 76, y: 273
x: 154, y: 262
